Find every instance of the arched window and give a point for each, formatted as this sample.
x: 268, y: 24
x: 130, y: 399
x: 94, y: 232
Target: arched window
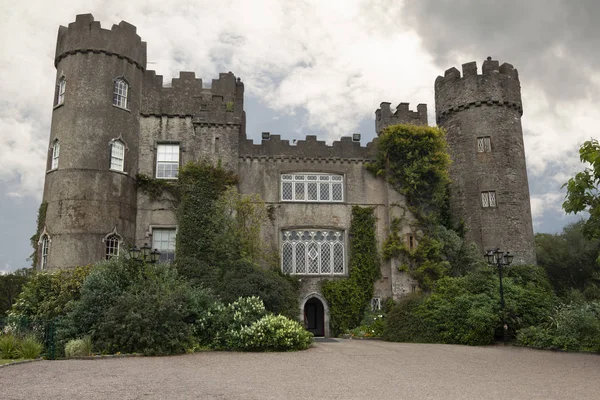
x: 113, y: 243
x: 117, y: 155
x: 61, y: 88
x: 45, y: 246
x: 120, y: 93
x: 55, y: 154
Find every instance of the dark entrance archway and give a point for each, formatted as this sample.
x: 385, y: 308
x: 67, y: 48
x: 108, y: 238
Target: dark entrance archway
x: 314, y: 316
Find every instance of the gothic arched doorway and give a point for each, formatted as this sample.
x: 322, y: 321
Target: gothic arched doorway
x: 314, y: 316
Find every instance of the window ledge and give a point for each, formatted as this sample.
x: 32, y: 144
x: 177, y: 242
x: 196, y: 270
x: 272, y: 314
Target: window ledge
x: 121, y: 108
x: 311, y: 202
x: 118, y: 171
x: 58, y: 105
x: 51, y: 170
x: 167, y: 179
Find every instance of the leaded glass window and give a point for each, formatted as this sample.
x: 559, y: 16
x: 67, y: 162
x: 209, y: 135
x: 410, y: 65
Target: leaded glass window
x: 312, y: 252
x: 312, y: 187
x: 112, y: 246
x: 120, y: 93
x: 117, y: 155
x: 488, y: 199
x: 484, y: 144
x: 167, y: 161
x: 164, y: 241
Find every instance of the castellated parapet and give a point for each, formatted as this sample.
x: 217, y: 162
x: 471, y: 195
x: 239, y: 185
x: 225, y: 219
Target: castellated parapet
x: 402, y: 115
x: 86, y: 35
x: 498, y: 85
x: 311, y: 148
x: 222, y: 103
x: 481, y: 114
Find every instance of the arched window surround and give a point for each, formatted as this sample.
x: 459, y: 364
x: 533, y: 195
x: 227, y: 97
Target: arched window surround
x: 113, y: 243
x: 44, y: 243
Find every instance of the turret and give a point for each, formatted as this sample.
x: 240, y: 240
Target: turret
x: 92, y: 159
x: 402, y: 115
x: 481, y: 114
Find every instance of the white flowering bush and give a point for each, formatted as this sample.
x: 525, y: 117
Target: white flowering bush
x: 272, y: 333
x: 220, y: 321
x: 245, y: 325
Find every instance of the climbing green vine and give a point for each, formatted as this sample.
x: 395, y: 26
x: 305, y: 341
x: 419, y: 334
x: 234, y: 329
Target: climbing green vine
x: 415, y: 161
x: 41, y: 221
x: 348, y: 298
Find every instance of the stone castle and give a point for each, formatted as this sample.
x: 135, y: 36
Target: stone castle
x: 113, y: 119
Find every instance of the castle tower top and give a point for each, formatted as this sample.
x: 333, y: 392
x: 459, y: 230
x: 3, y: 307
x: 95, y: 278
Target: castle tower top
x: 86, y: 35
x: 497, y: 85
x: 402, y: 115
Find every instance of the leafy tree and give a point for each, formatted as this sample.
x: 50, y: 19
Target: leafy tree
x: 569, y: 258
x: 582, y: 189
x: 10, y: 287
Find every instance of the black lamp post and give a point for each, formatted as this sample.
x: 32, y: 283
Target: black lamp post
x: 500, y: 259
x: 145, y: 254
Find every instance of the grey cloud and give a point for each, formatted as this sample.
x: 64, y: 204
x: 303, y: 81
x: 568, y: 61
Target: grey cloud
x: 553, y: 43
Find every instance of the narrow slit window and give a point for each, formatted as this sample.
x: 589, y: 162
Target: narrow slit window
x: 62, y: 87
x: 45, y: 248
x: 55, y: 154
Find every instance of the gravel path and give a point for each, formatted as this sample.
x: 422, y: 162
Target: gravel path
x: 346, y: 369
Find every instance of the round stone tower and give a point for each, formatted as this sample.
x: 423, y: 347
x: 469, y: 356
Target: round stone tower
x: 490, y: 193
x: 92, y: 158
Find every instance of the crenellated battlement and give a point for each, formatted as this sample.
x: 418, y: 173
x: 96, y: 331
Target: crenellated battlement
x: 402, y: 115
x: 86, y: 35
x: 496, y: 85
x: 222, y: 103
x: 310, y: 148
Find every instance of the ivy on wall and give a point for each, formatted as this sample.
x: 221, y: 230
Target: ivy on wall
x: 218, y: 241
x: 348, y: 298
x: 415, y: 161
x: 41, y: 221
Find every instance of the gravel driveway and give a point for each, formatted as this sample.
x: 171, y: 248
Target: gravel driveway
x: 345, y: 369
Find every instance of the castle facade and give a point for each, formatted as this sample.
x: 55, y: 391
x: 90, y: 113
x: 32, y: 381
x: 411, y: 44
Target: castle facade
x: 114, y: 119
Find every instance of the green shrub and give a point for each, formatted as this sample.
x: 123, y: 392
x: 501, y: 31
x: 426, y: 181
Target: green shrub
x: 466, y: 310
x: 572, y: 327
x: 9, y: 345
x: 271, y: 333
x: 133, y: 308
x: 29, y: 348
x: 372, y: 325
x: 278, y: 292
x: 403, y: 324
x: 79, y: 347
x: 47, y: 296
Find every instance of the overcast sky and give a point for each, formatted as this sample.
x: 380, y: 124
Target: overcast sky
x: 315, y: 67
